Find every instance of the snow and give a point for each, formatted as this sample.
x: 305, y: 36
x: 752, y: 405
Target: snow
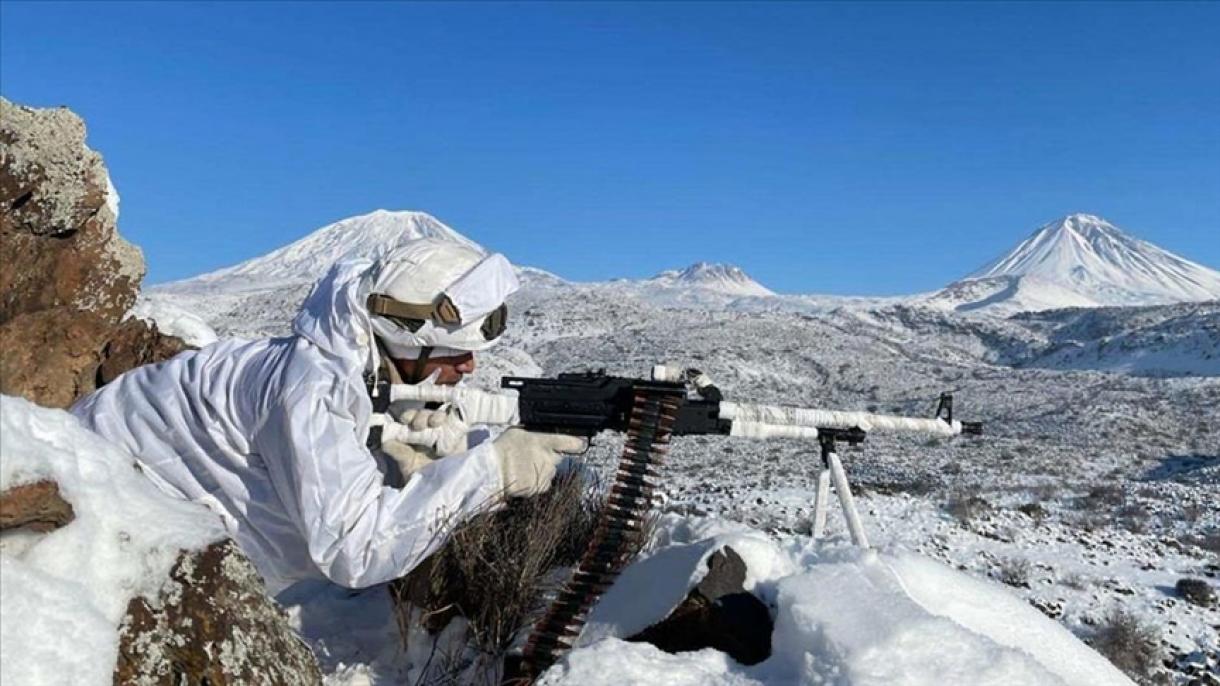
x: 65, y: 592
x: 112, y: 197
x: 614, y: 662
x: 1081, y: 260
x: 843, y: 615
x: 173, y: 320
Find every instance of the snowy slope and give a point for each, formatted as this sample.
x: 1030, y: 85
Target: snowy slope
x: 1079, y: 261
x: 722, y: 278
x: 306, y: 260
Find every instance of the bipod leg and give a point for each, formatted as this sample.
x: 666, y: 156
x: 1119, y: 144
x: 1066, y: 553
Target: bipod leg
x: 849, y: 504
x: 820, y: 500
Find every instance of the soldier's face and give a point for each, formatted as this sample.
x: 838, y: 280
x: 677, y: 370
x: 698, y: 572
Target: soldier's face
x: 452, y: 369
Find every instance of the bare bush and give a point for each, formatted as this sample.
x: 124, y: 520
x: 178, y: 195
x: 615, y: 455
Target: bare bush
x: 1209, y: 541
x: 1034, y: 511
x: 1133, y: 647
x: 1075, y: 580
x: 1104, y: 496
x: 1014, y: 571
x: 496, y: 569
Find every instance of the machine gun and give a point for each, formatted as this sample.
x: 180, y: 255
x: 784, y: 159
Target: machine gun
x: 673, y: 402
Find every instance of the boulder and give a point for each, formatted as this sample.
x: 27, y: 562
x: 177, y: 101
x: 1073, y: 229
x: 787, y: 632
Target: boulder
x: 717, y: 613
x: 67, y: 277
x: 106, y: 560
x: 133, y: 343
x: 51, y: 356
x: 212, y: 624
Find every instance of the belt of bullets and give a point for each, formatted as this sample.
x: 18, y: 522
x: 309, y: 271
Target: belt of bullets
x: 618, y: 534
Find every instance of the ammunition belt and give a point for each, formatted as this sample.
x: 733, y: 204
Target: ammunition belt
x: 618, y: 535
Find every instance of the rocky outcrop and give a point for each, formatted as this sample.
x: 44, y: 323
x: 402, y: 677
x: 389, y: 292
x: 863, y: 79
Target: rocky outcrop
x: 133, y: 343
x: 67, y: 277
x: 212, y: 624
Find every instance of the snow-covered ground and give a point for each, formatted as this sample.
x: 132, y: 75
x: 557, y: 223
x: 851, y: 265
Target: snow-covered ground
x: 65, y: 592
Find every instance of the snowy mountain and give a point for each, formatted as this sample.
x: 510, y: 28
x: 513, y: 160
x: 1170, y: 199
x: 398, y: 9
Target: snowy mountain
x: 1079, y: 261
x: 723, y: 278
x: 306, y: 260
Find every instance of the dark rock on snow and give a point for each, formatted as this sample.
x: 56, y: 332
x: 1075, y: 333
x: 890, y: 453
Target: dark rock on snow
x: 717, y: 613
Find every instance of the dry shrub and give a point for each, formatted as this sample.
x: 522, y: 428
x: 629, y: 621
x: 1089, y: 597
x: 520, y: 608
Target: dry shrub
x: 497, y: 569
x: 1103, y: 496
x: 1015, y: 571
x: 1133, y: 647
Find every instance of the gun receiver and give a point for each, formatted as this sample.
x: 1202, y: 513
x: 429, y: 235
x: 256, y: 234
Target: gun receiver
x: 586, y: 403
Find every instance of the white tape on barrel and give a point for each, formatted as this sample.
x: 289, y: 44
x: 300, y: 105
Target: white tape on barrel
x: 764, y: 431
x: 776, y: 415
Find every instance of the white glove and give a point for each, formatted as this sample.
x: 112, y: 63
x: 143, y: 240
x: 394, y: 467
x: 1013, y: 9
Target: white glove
x: 442, y: 430
x: 410, y: 458
x: 528, y: 459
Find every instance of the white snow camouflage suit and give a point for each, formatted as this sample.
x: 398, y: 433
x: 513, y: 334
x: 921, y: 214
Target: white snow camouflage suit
x: 271, y: 435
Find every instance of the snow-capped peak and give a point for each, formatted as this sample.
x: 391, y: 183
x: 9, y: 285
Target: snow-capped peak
x: 1092, y: 261
x: 307, y: 259
x: 725, y: 278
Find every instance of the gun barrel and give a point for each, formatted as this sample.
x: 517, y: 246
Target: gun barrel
x: 777, y: 415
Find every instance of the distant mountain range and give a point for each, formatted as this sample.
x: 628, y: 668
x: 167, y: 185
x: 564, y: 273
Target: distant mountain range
x: 1078, y: 261
x: 307, y: 259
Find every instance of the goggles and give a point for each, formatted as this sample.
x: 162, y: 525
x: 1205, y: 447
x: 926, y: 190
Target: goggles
x: 442, y: 312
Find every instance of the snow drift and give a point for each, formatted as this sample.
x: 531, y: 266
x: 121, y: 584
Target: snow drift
x: 843, y: 615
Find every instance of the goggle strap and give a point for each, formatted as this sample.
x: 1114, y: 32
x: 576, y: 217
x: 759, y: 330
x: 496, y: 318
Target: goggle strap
x: 386, y: 306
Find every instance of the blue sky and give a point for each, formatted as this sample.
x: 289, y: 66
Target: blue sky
x: 834, y: 148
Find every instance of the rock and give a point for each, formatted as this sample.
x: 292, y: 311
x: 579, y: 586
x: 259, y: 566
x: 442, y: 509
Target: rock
x: 718, y: 613
x: 51, y: 357
x: 134, y: 343
x: 67, y: 277
x: 61, y: 245
x: 212, y: 624
x: 37, y: 506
